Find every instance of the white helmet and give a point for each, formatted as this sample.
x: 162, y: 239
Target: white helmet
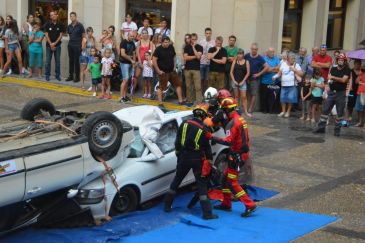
x: 210, y: 93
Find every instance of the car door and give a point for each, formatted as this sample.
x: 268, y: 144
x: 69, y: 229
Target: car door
x: 162, y: 170
x: 12, y: 181
x: 53, y: 170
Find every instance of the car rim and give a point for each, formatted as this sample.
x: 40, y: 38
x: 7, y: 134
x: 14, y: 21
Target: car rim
x: 122, y: 204
x: 104, y: 134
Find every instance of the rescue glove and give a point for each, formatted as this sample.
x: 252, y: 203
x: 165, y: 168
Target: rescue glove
x: 207, y: 167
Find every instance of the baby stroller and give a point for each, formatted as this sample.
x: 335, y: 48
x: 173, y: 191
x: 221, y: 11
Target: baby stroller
x: 169, y: 92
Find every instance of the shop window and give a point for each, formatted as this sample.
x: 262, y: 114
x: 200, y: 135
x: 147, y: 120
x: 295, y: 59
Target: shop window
x: 42, y: 8
x: 292, y: 24
x: 336, y: 24
x: 155, y: 10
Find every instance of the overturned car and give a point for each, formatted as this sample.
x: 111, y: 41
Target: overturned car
x: 68, y: 168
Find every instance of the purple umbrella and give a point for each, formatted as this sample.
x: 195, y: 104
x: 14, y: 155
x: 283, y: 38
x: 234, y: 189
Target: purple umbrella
x: 356, y: 54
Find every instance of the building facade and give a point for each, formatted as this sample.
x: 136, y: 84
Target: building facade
x: 271, y: 23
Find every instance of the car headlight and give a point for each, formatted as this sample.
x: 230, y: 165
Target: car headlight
x: 90, y: 196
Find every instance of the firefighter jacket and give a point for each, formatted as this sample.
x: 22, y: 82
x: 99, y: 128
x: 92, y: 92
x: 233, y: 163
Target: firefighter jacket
x: 237, y: 135
x: 193, y: 139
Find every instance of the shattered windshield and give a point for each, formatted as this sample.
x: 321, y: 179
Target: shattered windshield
x: 137, y: 146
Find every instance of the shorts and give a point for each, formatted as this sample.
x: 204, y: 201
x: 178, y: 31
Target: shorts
x: 172, y: 77
x: 317, y: 100
x: 84, y: 60
x: 289, y: 94
x: 96, y: 81
x: 243, y: 87
x: 106, y: 76
x: 358, y: 106
x: 2, y: 44
x: 216, y: 80
x: 13, y: 47
x: 126, y: 70
x: 148, y: 78
x: 253, y: 87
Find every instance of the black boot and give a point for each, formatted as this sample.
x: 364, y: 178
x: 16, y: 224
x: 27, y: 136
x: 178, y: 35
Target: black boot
x: 169, y: 198
x: 193, y: 201
x: 321, y: 128
x: 337, y: 128
x: 223, y: 208
x: 70, y: 78
x: 207, y: 210
x: 248, y: 211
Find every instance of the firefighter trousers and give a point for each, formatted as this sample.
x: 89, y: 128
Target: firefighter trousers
x: 231, y: 187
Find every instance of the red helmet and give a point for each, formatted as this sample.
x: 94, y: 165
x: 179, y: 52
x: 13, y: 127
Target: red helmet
x: 222, y: 94
x: 341, y: 56
x: 228, y: 104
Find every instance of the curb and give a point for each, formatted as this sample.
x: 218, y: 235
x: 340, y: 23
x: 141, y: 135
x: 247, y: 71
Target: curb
x: 77, y: 91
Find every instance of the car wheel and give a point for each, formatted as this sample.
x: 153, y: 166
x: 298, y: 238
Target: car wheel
x: 220, y: 163
x: 124, y: 202
x: 35, y: 107
x: 104, y: 132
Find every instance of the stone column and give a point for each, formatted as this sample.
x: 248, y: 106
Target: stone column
x: 351, y: 25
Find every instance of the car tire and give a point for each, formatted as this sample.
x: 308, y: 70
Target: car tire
x: 124, y: 202
x: 104, y: 132
x: 220, y: 164
x: 34, y: 107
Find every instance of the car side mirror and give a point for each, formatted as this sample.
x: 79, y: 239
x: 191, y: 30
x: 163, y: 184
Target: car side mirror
x: 149, y: 157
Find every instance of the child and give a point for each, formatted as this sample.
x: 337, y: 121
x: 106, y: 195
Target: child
x: 35, y: 49
x: 106, y: 72
x: 147, y: 75
x: 91, y: 60
x: 305, y: 94
x: 317, y: 87
x: 95, y: 69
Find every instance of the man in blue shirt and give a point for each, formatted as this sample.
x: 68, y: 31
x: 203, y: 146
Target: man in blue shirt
x: 309, y: 58
x: 258, y: 67
x: 267, y: 102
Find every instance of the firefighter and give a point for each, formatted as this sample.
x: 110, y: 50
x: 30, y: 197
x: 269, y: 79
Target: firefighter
x: 216, y: 117
x: 193, y: 152
x: 338, y: 79
x: 238, y: 141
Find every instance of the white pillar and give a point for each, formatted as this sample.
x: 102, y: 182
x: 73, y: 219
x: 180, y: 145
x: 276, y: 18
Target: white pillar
x: 173, y: 19
x: 351, y: 25
x: 119, y: 13
x: 281, y: 24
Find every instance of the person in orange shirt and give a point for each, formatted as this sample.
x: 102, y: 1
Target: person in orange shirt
x: 360, y: 100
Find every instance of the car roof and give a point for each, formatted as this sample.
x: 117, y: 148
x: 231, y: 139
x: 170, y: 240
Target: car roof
x: 135, y: 115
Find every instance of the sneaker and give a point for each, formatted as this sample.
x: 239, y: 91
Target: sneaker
x: 182, y: 103
x: 189, y: 104
x: 249, y: 211
x: 109, y: 96
x: 144, y: 96
x: 223, y: 208
x: 9, y: 72
x: 90, y: 89
x: 301, y: 118
x: 123, y: 100
x: 313, y: 121
x: 69, y: 79
x: 2, y: 73
x: 58, y: 78
x: 287, y: 114
x: 149, y: 96
x: 281, y: 114
x: 94, y: 94
x: 76, y: 80
x: 47, y: 78
x: 101, y: 97
x: 25, y: 71
x: 126, y: 98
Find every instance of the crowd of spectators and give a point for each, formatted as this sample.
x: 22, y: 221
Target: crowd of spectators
x: 283, y: 82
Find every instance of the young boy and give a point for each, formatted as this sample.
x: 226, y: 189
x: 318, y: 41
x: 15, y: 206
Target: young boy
x: 95, y: 69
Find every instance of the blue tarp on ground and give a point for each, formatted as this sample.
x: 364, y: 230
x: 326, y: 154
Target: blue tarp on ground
x: 183, y: 225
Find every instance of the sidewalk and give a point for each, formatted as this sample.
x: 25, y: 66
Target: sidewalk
x: 75, y: 88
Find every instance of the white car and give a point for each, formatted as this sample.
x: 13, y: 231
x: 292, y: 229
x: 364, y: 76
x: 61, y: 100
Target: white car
x: 41, y: 160
x: 149, y: 168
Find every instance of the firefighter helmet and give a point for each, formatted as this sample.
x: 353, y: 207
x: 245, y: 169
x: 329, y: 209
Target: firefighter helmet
x: 201, y: 110
x: 223, y: 93
x: 210, y: 93
x: 229, y: 104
